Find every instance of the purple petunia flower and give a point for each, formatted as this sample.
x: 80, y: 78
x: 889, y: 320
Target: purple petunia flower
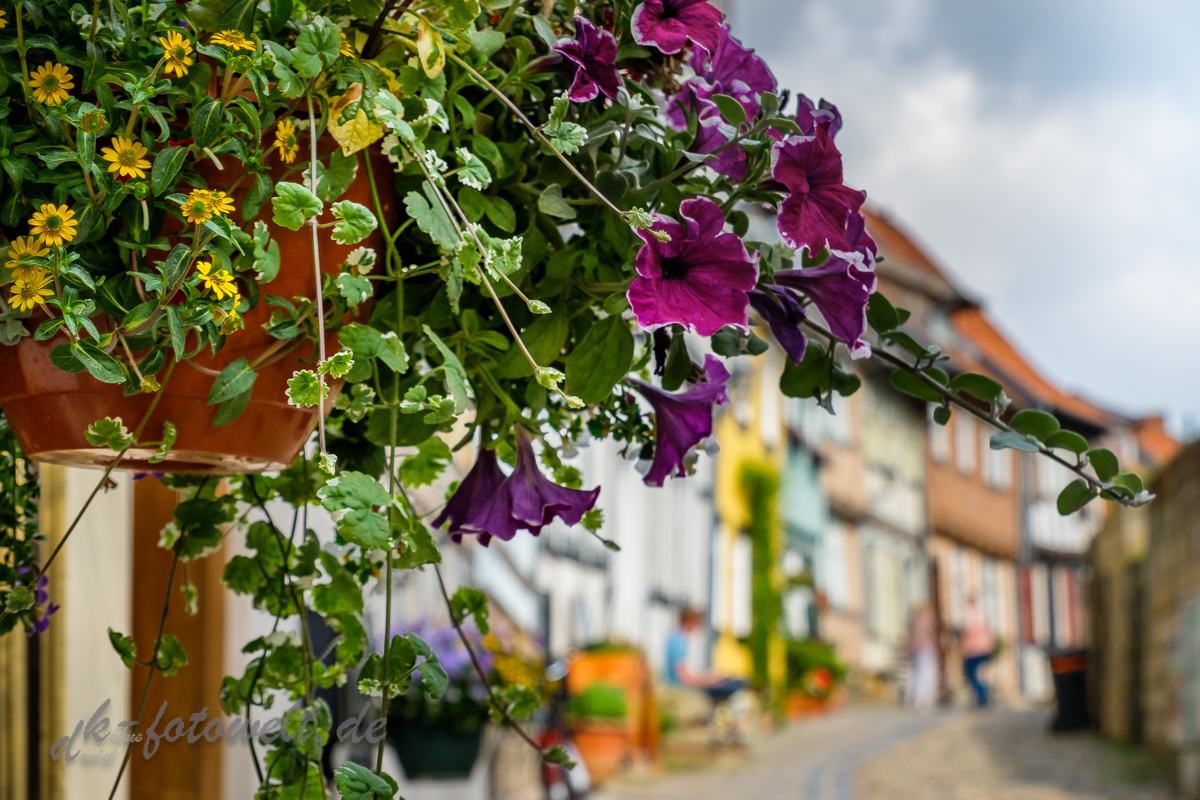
x: 669, y: 24
x: 593, y: 56
x: 733, y: 66
x: 699, y: 278
x: 474, y: 492
x: 809, y: 116
x: 683, y: 420
x: 819, y: 208
x: 523, y: 500
x: 783, y: 312
x: 733, y: 70
x: 840, y: 289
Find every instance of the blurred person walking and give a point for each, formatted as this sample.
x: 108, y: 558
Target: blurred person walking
x: 921, y: 691
x: 977, y: 647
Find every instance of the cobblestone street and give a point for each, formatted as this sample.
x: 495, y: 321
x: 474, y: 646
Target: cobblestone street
x: 879, y: 753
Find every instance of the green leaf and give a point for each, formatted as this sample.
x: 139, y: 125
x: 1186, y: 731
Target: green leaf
x: 568, y: 138
x: 558, y: 755
x: 600, y: 360
x: 86, y: 147
x: 293, y: 205
x: 207, y: 120
x: 1130, y: 480
x: 321, y: 40
x: 1014, y: 441
x: 175, y: 265
x: 416, y: 544
x: 178, y: 337
x: 809, y: 376
x: 342, y: 593
x: 470, y: 602
x: 979, y: 386
x: 912, y: 385
x: 101, y: 365
x: 239, y: 16
x: 356, y: 782
x: 1075, y: 496
x: 354, y: 491
x: 500, y: 213
x: 474, y: 173
x: 355, y: 288
x: 544, y: 337
x: 881, y: 314
x: 280, y: 11
x: 355, y: 222
x: 427, y: 465
x: 1067, y: 440
x: 236, y: 378
x: 337, y: 365
x: 231, y: 409
x: 1036, y: 423
x: 167, y: 164
x: 679, y: 363
x: 168, y: 441
x: 941, y: 415
x: 109, y: 432
x: 305, y: 389
x: 171, y: 656
x: 432, y: 219
x: 545, y: 31
x: 730, y: 109
x: 456, y: 376
x: 93, y: 67
x: 125, y: 647
x: 18, y: 599
x: 1104, y: 462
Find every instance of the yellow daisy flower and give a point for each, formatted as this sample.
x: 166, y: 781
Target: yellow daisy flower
x: 218, y: 281
x: 220, y: 203
x: 53, y: 225
x: 50, y: 84
x: 21, y: 248
x: 286, y: 141
x: 27, y: 294
x: 178, y: 52
x: 234, y: 40
x: 126, y: 157
x: 3, y: 21
x: 345, y: 48
x: 197, y: 208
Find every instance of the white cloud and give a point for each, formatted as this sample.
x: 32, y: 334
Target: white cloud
x: 1071, y: 217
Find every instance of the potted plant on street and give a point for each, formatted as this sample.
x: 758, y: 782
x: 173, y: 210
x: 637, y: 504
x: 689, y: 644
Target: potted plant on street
x: 597, y: 716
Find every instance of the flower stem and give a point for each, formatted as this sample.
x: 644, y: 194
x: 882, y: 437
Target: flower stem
x: 951, y: 397
x: 312, y: 160
x: 537, y: 134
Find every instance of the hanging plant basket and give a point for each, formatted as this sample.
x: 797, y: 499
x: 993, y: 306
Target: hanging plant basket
x: 50, y: 409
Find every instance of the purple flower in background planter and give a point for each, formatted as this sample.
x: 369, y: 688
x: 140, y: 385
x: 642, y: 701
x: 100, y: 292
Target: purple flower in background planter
x: 593, y: 54
x: 818, y: 210
x: 669, y: 24
x: 699, y: 278
x: 783, y: 313
x: 730, y: 162
x: 475, y: 491
x: 41, y: 618
x: 839, y: 289
x: 683, y: 420
x: 491, y: 507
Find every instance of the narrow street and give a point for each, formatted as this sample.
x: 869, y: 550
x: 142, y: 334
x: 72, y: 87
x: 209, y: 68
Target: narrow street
x: 883, y: 753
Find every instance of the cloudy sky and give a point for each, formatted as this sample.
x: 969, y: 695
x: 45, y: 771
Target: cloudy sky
x: 1045, y: 152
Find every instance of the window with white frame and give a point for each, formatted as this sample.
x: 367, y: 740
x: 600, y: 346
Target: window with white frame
x: 964, y: 443
x: 939, y: 438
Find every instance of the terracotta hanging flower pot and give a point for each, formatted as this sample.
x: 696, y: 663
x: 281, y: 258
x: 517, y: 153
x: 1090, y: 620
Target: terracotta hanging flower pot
x: 50, y: 409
